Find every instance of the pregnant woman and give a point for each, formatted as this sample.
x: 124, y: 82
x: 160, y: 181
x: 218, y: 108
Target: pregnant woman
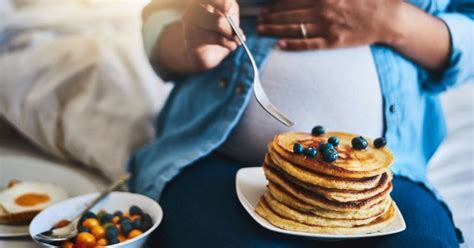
x: 370, y: 67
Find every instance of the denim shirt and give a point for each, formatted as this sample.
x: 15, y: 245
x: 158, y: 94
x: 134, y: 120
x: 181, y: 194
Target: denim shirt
x: 203, y: 108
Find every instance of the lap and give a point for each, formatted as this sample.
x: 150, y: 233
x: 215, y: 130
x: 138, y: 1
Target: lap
x: 201, y: 209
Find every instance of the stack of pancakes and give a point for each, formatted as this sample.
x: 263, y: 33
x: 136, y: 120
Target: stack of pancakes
x: 348, y: 196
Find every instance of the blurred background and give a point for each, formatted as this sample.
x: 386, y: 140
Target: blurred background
x: 76, y: 89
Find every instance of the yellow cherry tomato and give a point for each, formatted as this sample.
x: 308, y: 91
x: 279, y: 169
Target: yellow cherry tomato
x: 134, y: 233
x: 121, y: 238
x: 98, y: 232
x: 86, y: 239
x: 115, y: 219
x: 90, y: 223
x: 67, y: 244
x: 101, y: 242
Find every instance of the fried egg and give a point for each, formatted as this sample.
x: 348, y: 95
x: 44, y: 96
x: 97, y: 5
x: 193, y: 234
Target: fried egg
x: 30, y: 196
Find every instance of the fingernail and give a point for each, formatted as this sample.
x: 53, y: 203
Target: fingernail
x: 282, y: 44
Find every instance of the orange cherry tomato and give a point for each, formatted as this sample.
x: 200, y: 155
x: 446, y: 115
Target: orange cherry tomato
x: 86, y: 238
x: 101, y: 242
x: 98, y: 232
x: 90, y: 223
x: 121, y: 238
x: 67, y: 244
x: 134, y: 233
x: 61, y: 223
x: 115, y: 219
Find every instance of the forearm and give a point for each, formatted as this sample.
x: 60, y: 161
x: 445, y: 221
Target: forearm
x: 170, y: 51
x: 421, y: 37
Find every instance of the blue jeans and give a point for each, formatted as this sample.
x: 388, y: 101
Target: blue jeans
x: 201, y: 209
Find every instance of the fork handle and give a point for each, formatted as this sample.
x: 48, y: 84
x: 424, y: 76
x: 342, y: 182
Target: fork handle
x: 117, y: 184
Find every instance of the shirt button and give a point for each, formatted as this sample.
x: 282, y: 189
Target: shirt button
x: 392, y: 108
x: 239, y: 89
x: 223, y: 83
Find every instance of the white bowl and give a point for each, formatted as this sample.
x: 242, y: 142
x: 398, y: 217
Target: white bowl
x: 114, y: 201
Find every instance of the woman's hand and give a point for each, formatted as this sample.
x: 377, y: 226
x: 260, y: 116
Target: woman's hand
x: 201, y: 40
x: 329, y: 23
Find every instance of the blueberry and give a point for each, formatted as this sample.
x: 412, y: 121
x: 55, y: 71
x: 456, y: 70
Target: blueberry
x: 100, y: 214
x: 125, y: 227
x: 113, y: 241
x: 83, y: 229
x: 359, y: 143
x: 324, y: 146
x: 135, y: 210
x: 318, y: 130
x: 137, y: 224
x: 298, y: 148
x: 310, y: 152
x: 111, y: 232
x: 380, y: 142
x: 147, y: 222
x: 330, y: 155
x: 118, y: 213
x: 334, y: 141
x: 124, y: 218
x: 88, y: 215
x: 105, y: 218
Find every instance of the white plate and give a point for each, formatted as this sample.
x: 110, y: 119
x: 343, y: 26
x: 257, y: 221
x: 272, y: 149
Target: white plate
x: 114, y: 201
x: 250, y: 184
x: 44, y: 171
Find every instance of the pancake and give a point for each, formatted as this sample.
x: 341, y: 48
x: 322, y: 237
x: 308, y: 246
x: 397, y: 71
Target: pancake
x: 317, y: 200
x: 378, y: 224
x: 339, y: 195
x: 285, y: 198
x: 352, y: 163
x: 317, y: 179
x: 311, y: 219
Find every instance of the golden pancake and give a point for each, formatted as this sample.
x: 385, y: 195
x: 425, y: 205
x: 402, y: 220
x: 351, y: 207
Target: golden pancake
x: 352, y: 163
x: 314, y: 199
x: 318, y: 179
x: 339, y: 195
x: 285, y: 198
x: 378, y: 224
x: 311, y: 219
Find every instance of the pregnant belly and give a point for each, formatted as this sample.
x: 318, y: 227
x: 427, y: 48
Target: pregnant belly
x: 338, y: 89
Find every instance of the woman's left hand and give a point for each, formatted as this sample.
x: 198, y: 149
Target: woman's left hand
x: 329, y: 23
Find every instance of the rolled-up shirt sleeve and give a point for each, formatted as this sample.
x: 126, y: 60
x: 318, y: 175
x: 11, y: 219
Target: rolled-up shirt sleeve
x: 459, y: 18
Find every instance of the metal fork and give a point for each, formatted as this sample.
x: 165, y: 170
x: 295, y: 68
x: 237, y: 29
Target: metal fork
x: 260, y: 94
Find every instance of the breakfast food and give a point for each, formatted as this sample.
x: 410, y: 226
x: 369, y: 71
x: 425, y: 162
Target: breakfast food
x: 22, y: 201
x: 102, y: 229
x: 331, y: 183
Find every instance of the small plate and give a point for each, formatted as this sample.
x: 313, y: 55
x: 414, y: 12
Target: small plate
x: 43, y: 171
x: 250, y: 184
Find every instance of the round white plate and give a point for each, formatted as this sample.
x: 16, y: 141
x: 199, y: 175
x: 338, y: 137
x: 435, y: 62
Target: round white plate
x: 250, y: 185
x: 43, y: 171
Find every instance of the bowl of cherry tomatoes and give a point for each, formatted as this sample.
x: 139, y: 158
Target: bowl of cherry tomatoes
x: 122, y: 220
